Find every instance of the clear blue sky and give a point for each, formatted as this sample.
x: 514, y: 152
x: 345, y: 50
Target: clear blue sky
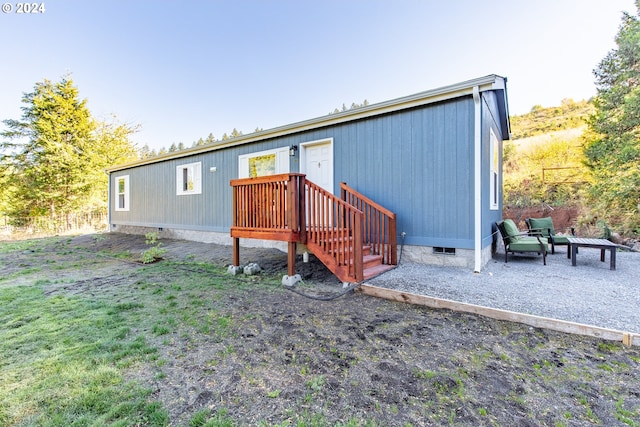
x: 184, y: 69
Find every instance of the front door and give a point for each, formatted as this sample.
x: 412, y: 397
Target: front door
x: 317, y: 163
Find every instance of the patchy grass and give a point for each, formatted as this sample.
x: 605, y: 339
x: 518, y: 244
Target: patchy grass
x: 61, y: 362
x: 64, y: 359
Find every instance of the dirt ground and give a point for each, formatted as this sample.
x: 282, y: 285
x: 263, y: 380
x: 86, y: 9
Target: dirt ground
x: 358, y: 360
x: 563, y: 217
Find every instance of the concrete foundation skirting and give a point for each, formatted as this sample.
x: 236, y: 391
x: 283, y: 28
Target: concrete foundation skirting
x: 421, y: 254
x: 214, y: 237
x: 426, y: 255
x: 627, y: 338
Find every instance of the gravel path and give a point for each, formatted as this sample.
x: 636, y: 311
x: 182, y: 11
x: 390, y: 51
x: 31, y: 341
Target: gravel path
x: 589, y: 293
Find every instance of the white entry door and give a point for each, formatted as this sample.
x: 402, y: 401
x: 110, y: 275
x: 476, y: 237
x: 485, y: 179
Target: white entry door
x: 317, y: 163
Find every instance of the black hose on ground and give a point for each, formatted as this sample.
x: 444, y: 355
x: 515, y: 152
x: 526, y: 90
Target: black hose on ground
x: 323, y: 298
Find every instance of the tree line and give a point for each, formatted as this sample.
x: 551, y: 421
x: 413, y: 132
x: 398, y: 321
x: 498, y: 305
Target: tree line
x: 147, y: 152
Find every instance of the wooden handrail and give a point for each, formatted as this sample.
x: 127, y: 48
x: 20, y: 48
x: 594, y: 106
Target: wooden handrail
x: 334, y: 227
x: 379, y: 224
x: 337, y: 230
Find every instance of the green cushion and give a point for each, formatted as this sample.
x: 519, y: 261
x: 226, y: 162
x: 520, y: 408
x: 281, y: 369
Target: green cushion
x: 560, y: 240
x: 527, y: 244
x: 545, y: 224
x: 510, y: 228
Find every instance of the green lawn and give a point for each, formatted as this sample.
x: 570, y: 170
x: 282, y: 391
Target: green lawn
x: 64, y: 356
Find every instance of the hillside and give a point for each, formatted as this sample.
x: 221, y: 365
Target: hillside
x: 544, y: 163
x: 572, y: 135
x: 569, y: 115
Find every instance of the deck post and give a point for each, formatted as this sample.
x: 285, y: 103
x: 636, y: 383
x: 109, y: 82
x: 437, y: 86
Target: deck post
x: 291, y: 259
x: 236, y: 252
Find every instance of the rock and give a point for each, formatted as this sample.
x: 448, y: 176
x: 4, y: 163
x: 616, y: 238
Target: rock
x: 290, y: 281
x: 251, y: 269
x: 615, y: 238
x: 235, y: 270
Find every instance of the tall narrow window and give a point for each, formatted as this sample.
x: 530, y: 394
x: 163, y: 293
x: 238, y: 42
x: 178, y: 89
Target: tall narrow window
x: 494, y: 178
x: 189, y: 179
x: 122, y: 193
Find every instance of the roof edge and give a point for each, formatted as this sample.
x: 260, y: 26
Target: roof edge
x: 485, y: 83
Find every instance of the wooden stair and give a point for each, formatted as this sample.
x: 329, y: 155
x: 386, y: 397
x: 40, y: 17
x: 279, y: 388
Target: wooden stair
x: 372, y: 264
x: 352, y: 235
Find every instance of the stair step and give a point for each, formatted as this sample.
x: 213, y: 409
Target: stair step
x: 369, y: 261
x: 366, y: 250
x: 377, y: 270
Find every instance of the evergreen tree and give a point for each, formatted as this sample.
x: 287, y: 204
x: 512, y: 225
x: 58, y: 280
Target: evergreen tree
x: 46, y: 151
x: 612, y: 147
x: 210, y: 139
x: 53, y: 159
x: 145, y: 152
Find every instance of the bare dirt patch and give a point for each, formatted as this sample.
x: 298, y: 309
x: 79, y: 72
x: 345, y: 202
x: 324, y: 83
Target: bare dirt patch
x: 564, y: 218
x: 267, y: 356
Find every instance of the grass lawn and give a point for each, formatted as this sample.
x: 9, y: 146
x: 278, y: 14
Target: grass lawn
x: 64, y: 357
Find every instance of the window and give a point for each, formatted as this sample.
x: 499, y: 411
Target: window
x: 122, y: 193
x: 189, y: 179
x: 264, y: 163
x: 494, y: 179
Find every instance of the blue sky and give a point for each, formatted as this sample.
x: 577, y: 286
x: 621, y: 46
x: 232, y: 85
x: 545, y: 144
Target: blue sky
x: 184, y: 69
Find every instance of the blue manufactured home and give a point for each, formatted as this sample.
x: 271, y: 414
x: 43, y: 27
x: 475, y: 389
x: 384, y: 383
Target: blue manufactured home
x: 433, y: 159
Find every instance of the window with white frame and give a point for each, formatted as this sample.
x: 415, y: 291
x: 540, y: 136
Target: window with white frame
x: 264, y: 163
x: 189, y: 179
x: 494, y: 179
x: 122, y: 193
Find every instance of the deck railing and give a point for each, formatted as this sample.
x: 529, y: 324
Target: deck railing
x: 379, y: 230
x: 334, y: 227
x: 289, y: 208
x: 269, y: 207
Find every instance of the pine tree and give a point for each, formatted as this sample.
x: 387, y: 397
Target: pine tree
x: 53, y: 159
x: 46, y: 151
x: 612, y: 147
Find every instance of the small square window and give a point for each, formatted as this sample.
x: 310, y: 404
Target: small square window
x: 262, y: 165
x: 189, y: 179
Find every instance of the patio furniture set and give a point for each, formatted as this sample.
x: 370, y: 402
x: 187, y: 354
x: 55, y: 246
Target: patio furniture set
x: 541, y: 234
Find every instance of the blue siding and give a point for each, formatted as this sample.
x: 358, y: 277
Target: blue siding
x: 490, y: 121
x: 416, y: 162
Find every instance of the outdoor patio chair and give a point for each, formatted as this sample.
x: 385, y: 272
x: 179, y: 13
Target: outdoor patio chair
x: 516, y: 241
x: 544, y: 227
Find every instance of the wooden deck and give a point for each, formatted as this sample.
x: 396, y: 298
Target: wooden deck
x: 352, y: 235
